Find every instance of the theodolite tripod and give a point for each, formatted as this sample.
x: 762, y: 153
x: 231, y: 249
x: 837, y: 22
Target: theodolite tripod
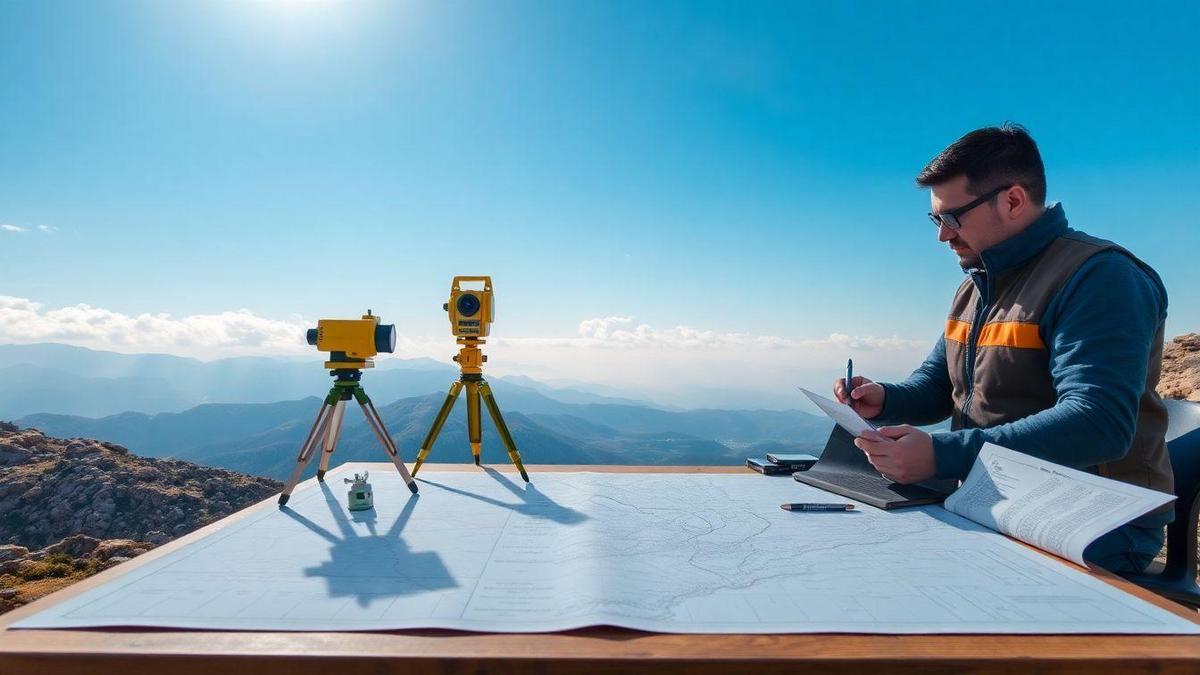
x: 328, y: 426
x: 470, y: 362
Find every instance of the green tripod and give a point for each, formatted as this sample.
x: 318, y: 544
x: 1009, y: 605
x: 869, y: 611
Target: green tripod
x: 470, y: 361
x: 328, y: 427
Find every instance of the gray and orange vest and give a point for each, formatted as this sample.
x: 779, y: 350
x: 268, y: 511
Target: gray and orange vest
x: 999, y: 365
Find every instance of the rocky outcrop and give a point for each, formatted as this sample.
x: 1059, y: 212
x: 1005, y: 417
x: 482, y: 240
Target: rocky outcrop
x: 83, y: 506
x: 52, y: 489
x: 1181, y: 368
x: 29, y: 565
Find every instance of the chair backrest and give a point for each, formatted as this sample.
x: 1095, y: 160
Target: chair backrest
x: 1181, y: 534
x: 1182, y: 417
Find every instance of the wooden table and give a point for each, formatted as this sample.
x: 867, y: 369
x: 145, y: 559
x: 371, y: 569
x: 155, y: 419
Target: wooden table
x: 594, y: 650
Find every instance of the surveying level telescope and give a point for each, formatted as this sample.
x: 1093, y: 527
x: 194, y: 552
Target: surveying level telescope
x: 470, y: 321
x: 351, y: 343
x: 471, y: 311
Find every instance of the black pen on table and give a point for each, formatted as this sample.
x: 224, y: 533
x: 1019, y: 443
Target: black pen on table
x: 817, y: 507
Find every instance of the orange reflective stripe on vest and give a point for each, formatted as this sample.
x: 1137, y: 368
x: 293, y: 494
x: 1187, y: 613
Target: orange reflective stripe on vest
x: 959, y: 331
x: 1016, y: 334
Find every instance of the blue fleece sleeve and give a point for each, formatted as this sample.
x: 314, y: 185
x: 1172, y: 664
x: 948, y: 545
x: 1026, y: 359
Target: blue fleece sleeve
x: 1099, y: 330
x: 924, y: 398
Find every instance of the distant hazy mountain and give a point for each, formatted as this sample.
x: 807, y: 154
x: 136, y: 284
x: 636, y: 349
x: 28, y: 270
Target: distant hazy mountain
x: 29, y: 389
x: 52, y: 378
x: 252, y: 414
x: 169, y: 434
x: 571, y: 394
x: 264, y: 438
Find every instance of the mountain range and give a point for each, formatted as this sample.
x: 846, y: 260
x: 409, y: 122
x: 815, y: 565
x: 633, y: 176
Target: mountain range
x: 263, y: 439
x: 251, y: 415
x: 54, y: 378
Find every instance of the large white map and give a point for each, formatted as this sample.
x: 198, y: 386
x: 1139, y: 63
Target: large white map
x: 685, y: 553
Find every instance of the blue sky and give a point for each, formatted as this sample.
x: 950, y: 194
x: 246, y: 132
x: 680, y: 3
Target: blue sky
x: 741, y: 168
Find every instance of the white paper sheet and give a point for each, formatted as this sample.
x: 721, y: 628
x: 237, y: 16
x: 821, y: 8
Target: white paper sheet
x: 1052, y: 507
x: 687, y: 553
x: 841, y: 413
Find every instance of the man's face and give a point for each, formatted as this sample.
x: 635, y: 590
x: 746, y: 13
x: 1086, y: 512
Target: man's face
x: 982, y: 226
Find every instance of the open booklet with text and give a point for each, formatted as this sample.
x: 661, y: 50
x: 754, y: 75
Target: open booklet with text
x: 1053, y: 507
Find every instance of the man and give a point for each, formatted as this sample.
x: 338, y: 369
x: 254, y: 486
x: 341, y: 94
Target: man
x: 1052, y: 347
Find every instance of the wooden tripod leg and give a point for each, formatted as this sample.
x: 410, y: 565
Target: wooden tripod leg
x: 306, y: 451
x: 331, y: 437
x: 486, y: 391
x: 376, y: 424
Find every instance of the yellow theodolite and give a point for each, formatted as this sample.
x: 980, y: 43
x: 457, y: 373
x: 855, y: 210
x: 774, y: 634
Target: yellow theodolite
x: 471, y: 314
x: 351, y: 343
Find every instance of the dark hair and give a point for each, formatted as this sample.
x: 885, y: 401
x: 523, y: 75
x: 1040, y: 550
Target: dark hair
x: 990, y: 157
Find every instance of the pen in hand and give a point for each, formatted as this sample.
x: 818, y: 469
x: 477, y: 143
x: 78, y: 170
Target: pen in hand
x: 849, y: 381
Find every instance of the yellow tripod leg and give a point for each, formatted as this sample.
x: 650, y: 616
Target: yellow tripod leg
x: 474, y: 428
x: 438, y: 421
x: 486, y: 390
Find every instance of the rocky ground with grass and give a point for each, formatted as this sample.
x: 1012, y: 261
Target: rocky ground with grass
x: 72, y: 507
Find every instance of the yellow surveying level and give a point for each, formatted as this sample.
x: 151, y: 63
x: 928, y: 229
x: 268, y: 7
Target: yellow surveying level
x: 351, y: 343
x: 471, y: 316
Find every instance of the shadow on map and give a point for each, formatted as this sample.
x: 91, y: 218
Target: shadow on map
x: 374, y: 566
x: 533, y: 503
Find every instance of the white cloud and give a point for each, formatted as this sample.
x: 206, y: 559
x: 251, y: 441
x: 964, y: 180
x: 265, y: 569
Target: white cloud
x: 697, y: 367
x: 48, y: 229
x: 624, y: 332
x: 682, y: 365
x: 12, y: 228
x: 200, y: 335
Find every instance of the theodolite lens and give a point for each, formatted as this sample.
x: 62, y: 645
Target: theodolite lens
x: 468, y: 304
x: 385, y: 338
x: 311, y: 336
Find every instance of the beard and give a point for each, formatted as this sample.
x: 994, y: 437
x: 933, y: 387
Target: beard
x: 967, y: 257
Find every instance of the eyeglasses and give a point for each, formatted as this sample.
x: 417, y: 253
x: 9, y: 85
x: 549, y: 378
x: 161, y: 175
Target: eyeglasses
x: 951, y: 218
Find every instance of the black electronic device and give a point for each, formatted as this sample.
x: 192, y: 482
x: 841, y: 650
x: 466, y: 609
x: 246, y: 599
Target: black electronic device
x: 794, y: 462
x: 844, y: 469
x: 768, y: 468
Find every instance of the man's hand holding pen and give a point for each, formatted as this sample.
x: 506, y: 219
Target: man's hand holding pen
x: 903, y: 453
x: 865, y: 396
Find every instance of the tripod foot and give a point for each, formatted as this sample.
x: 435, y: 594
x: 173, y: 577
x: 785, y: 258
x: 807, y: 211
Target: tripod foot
x: 283, y: 499
x: 321, y: 475
x: 412, y: 487
x: 485, y: 390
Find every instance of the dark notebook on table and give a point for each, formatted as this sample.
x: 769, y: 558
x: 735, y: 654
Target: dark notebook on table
x: 844, y: 469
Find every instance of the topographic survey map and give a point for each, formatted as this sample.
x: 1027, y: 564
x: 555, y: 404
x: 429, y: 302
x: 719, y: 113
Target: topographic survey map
x: 687, y: 553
